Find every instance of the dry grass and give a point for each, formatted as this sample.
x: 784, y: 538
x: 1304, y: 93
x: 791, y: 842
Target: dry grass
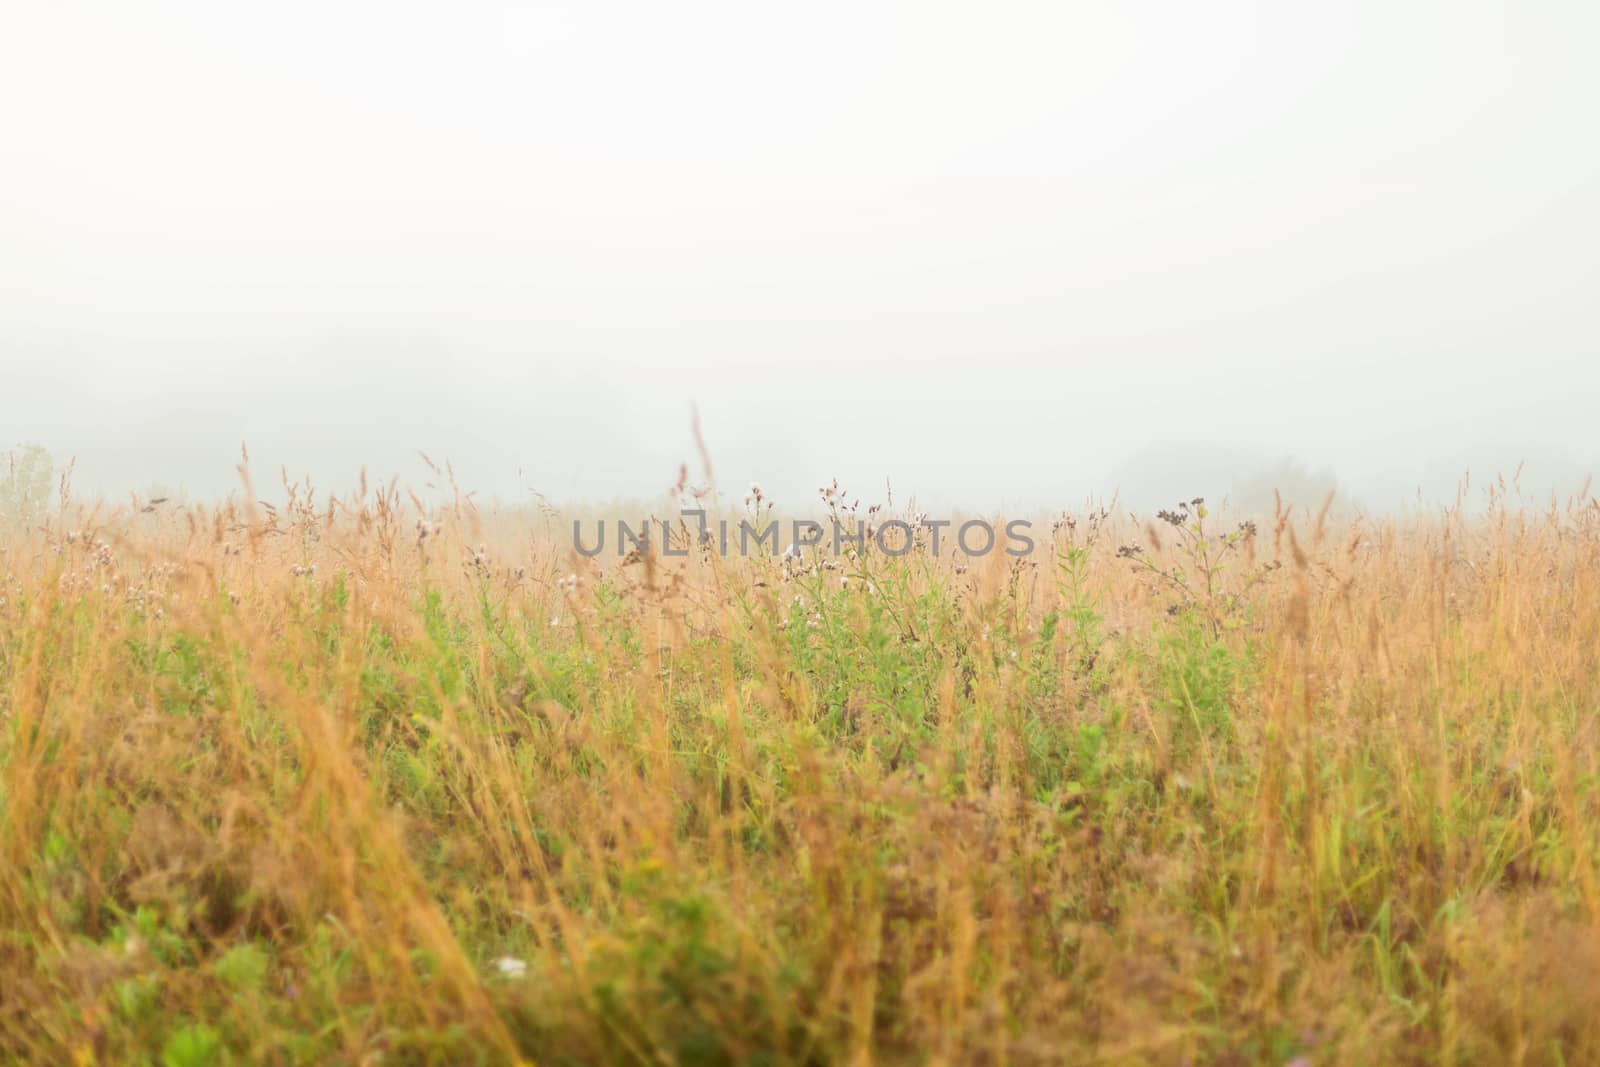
x: 335, y: 784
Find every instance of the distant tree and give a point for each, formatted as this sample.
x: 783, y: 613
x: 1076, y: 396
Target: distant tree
x: 1295, y: 483
x: 26, y: 476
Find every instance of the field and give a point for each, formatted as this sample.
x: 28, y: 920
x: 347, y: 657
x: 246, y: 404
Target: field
x: 367, y: 780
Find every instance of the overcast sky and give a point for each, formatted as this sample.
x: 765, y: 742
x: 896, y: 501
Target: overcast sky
x: 998, y: 253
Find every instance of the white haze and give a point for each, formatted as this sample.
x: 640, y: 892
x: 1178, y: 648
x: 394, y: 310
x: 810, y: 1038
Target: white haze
x: 1002, y: 254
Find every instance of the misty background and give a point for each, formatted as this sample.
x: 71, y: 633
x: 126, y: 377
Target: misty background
x: 1004, y: 255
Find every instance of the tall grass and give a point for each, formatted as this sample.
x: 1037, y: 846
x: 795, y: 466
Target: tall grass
x: 362, y: 781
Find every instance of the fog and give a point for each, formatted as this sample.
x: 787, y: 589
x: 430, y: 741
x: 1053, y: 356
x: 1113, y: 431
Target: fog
x: 994, y: 255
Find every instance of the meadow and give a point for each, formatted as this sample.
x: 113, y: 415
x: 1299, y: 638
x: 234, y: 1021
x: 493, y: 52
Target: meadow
x: 296, y: 779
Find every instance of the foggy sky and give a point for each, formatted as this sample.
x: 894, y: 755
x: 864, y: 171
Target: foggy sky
x: 998, y: 253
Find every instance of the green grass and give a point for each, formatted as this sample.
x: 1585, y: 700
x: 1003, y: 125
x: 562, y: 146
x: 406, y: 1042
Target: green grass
x: 1333, y: 804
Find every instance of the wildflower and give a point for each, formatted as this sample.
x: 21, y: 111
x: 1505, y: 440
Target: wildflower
x: 511, y: 967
